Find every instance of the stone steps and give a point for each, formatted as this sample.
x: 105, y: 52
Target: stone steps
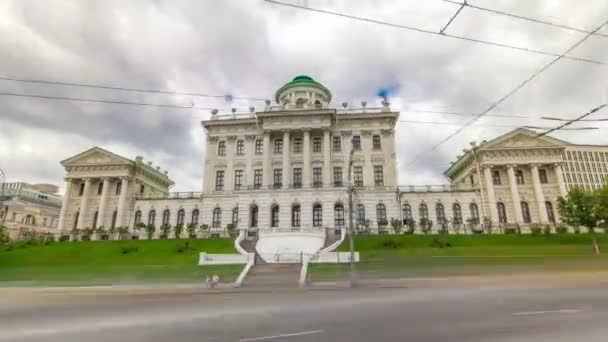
x: 273, y: 275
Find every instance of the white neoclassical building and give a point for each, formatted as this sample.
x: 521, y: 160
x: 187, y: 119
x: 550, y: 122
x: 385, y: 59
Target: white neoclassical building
x: 286, y: 167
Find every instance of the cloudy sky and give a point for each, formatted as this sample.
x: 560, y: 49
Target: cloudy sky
x: 249, y: 48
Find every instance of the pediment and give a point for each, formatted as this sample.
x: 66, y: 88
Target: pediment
x: 521, y: 139
x: 96, y: 156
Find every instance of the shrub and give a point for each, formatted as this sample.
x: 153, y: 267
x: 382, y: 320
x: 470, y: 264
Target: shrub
x: 183, y: 247
x: 577, y: 230
x: 535, y: 229
x: 390, y: 243
x: 547, y: 229
x: 438, y: 243
x: 232, y: 230
x: 129, y: 249
x: 561, y: 229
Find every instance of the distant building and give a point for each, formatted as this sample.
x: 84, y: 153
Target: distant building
x: 29, y: 209
x: 286, y: 168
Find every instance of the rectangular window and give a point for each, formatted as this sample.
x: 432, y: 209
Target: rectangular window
x: 337, y: 176
x: 356, y: 142
x: 297, y: 145
x: 219, y: 180
x: 257, y: 178
x: 238, y: 179
x: 118, y: 188
x: 519, y: 177
x: 358, y: 175
x: 297, y: 177
x: 337, y: 144
x: 278, y: 178
x: 496, y: 178
x: 542, y: 175
x: 317, y: 177
x: 376, y: 144
x: 278, y: 145
x: 99, y: 188
x: 259, y: 146
x: 142, y: 188
x: 221, y: 148
x: 316, y: 144
x: 81, y: 190
x: 240, y: 147
x: 378, y: 175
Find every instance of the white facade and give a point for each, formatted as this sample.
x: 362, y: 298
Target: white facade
x: 286, y: 168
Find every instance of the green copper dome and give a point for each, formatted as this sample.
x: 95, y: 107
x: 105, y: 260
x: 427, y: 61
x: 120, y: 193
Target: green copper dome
x: 303, y: 81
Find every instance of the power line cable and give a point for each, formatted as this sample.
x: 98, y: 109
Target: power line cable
x: 96, y: 86
x: 521, y: 17
x: 490, y: 126
x: 78, y: 99
x: 453, y: 17
x: 562, y: 126
x: 385, y: 23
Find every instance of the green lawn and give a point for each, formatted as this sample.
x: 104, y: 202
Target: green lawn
x: 438, y: 256
x: 111, y: 262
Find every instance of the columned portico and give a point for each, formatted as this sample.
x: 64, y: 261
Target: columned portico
x: 83, y: 204
x: 538, y: 192
x: 306, y: 158
x: 514, y: 194
x: 66, y: 200
x: 102, y: 202
x: 286, y: 160
x: 487, y: 171
x: 557, y: 167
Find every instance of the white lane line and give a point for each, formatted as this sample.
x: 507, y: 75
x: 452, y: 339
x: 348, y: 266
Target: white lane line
x: 530, y: 313
x: 303, y: 333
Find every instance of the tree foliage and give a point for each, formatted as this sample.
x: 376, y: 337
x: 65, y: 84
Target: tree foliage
x: 580, y: 207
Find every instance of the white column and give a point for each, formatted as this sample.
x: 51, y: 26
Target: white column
x: 286, y: 161
x: 65, y: 204
x: 487, y: 171
x: 306, y: 167
x: 390, y: 166
x: 83, y: 204
x: 366, y: 149
x: 560, y: 179
x: 326, y: 159
x: 515, y: 195
x: 209, y: 166
x: 229, y: 180
x: 540, y: 197
x: 347, y: 145
x: 267, y: 177
x: 102, y: 202
x: 124, y: 185
x: 250, y: 152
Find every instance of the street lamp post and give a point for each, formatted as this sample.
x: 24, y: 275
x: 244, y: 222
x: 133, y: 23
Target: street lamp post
x: 351, y: 239
x: 474, y: 148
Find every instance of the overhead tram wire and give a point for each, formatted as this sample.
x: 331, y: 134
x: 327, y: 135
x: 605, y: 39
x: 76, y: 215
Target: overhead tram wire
x: 97, y: 86
x: 78, y: 99
x: 563, y: 126
x: 521, y: 17
x: 445, y: 27
x: 436, y: 33
x: 492, y: 126
x: 521, y: 85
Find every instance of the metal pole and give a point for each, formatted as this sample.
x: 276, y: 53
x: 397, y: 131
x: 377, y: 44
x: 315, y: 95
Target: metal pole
x: 351, y: 240
x: 481, y: 195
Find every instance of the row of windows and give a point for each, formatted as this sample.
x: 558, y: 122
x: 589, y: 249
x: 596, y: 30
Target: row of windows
x: 586, y: 156
x: 525, y: 212
x: 584, y: 178
x: 519, y: 177
x: 317, y: 177
x: 317, y: 145
x: 96, y: 217
x: 585, y: 167
x: 423, y: 212
x: 117, y: 188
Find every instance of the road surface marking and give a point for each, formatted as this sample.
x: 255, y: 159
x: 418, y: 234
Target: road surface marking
x: 530, y: 313
x: 311, y: 332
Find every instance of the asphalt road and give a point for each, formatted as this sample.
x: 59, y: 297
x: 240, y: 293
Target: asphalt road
x: 387, y: 314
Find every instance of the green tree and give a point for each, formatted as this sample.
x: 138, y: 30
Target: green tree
x: 123, y: 233
x: 165, y: 229
x: 577, y: 209
x: 191, y: 229
x: 178, y: 229
x: 150, y: 229
x: 112, y: 232
x: 232, y: 230
x: 600, y: 206
x: 397, y: 225
x: 204, y: 229
x: 4, y: 238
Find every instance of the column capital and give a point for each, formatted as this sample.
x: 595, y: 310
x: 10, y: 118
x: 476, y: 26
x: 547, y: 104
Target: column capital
x: 535, y: 165
x: 366, y: 132
x: 486, y: 166
x: 346, y: 133
x: 511, y: 166
x: 250, y: 137
x: 306, y: 130
x: 386, y: 132
x: 231, y: 137
x: 286, y: 130
x: 212, y: 139
x: 267, y: 132
x: 558, y: 164
x: 105, y: 178
x: 69, y: 180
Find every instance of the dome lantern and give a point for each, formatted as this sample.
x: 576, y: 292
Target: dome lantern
x: 303, y: 92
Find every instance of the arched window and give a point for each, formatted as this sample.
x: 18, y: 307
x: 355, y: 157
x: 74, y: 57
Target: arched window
x: 360, y: 214
x: 95, y: 217
x: 29, y: 219
x: 407, y: 212
x: 114, y: 216
x: 550, y: 213
x: 274, y: 216
x: 423, y: 211
x: 295, y: 215
x: 502, y: 212
x: 194, y: 216
x: 235, y: 216
x: 253, y: 216
x: 300, y: 102
x: 166, y: 216
x: 339, y: 215
x: 317, y: 104
x: 317, y: 215
x: 217, y: 218
x: 457, y: 213
x: 181, y: 214
x: 151, y: 217
x: 381, y: 214
x: 474, y: 211
x: 440, y: 212
x: 137, y: 218
x: 525, y: 212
